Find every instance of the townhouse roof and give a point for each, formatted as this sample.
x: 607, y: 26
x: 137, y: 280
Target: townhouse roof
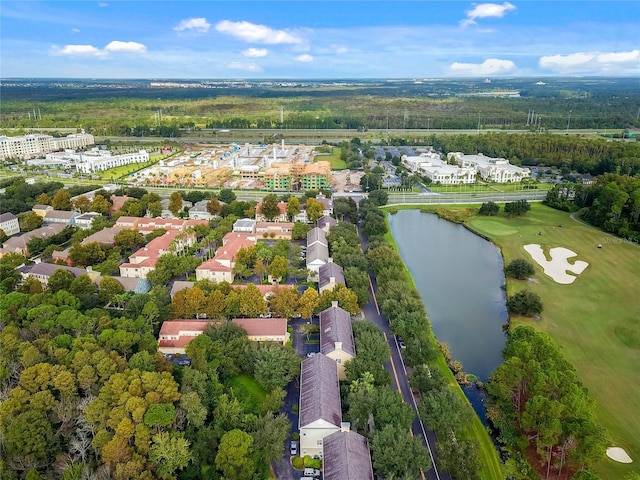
x: 274, y: 225
x: 326, y: 221
x: 130, y: 284
x: 213, y: 265
x: 329, y: 270
x: 105, y: 236
x: 21, y: 240
x: 117, y: 201
x: 185, y: 330
x: 6, y: 217
x: 346, y: 457
x: 317, y: 251
x: 59, y: 214
x: 150, y: 224
x: 262, y: 326
x: 155, y: 246
x: 47, y: 269
x: 180, y: 285
x: 315, y: 235
x: 335, y: 326
x: 39, y: 206
x: 125, y: 221
x: 89, y: 216
x: 319, y: 391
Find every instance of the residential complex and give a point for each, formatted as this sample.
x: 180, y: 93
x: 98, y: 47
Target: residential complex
x: 298, y: 176
x: 497, y: 170
x: 29, y: 146
x: 438, y: 171
x: 96, y: 160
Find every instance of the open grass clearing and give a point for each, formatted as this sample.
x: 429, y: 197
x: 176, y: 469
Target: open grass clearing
x: 248, y: 392
x: 595, y: 320
x: 334, y: 159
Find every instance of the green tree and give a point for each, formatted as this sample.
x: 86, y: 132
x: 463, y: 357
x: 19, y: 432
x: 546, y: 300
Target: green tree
x: 226, y: 195
x: 269, y: 434
x: 519, y: 269
x: 234, y: 455
x: 100, y: 204
x: 519, y: 207
x: 269, y: 207
x: 62, y: 200
x: 175, y: 203
x: 525, y: 303
x: 82, y: 204
x: 154, y: 209
x: 129, y: 240
x: 275, y: 365
x: 379, y: 197
x: 278, y: 268
x: 458, y: 457
x: 251, y: 301
x: 109, y: 287
x: 29, y: 221
x: 299, y: 231
x: 60, y: 280
x: 88, y: 254
x: 314, y: 209
x: 444, y: 412
x: 394, y: 452
x: 29, y: 439
x: 489, y: 209
x: 170, y: 453
x: 214, y: 207
x: 346, y: 299
x: 293, y: 207
x: 160, y: 415
x: 284, y: 302
x: 308, y: 302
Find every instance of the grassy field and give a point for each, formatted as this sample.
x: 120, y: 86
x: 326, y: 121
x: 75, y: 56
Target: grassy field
x: 247, y: 390
x: 334, y: 159
x: 488, y: 455
x: 479, y: 188
x: 595, y: 320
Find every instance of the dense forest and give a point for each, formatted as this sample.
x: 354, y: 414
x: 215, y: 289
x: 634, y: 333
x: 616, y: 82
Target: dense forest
x: 612, y: 203
x: 135, y: 108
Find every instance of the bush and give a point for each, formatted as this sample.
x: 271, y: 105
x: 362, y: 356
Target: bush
x: 297, y: 463
x: 295, y: 436
x: 295, y: 408
x: 524, y: 303
x: 312, y: 462
x: 519, y: 269
x: 489, y: 209
x: 393, y: 211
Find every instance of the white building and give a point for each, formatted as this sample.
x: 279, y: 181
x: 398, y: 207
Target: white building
x: 9, y: 224
x: 497, y: 170
x: 438, y: 171
x: 28, y: 146
x: 97, y: 160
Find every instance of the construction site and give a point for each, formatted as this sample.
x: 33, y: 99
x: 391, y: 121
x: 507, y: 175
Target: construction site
x: 276, y: 167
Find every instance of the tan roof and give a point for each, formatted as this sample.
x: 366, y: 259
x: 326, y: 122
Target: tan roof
x: 262, y: 326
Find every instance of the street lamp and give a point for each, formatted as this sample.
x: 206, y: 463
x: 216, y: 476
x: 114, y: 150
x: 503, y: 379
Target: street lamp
x: 569, y: 121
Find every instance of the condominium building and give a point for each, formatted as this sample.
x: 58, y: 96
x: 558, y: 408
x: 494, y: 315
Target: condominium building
x: 298, y: 176
x: 96, y: 160
x: 497, y: 170
x: 29, y: 146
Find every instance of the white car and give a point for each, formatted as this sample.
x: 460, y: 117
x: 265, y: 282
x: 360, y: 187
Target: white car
x: 294, y: 447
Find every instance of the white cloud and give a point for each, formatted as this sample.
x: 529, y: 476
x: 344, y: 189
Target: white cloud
x: 304, y: 58
x: 485, y: 10
x: 80, y: 51
x: 491, y: 66
x: 75, y: 30
x: 255, y: 52
x: 103, y: 4
x: 91, y: 51
x: 125, y: 47
x: 339, y: 49
x: 249, y: 67
x: 198, y: 25
x: 250, y: 32
x: 593, y: 62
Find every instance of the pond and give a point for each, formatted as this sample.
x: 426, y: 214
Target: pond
x: 460, y: 278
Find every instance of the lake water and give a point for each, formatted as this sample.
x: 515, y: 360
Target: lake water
x: 460, y: 277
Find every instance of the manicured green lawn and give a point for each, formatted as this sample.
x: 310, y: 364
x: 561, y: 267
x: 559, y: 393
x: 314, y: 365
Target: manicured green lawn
x: 334, y: 159
x: 595, y: 320
x: 248, y: 392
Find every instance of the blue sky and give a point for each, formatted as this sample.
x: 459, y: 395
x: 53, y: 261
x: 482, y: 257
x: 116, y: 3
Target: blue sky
x: 318, y: 39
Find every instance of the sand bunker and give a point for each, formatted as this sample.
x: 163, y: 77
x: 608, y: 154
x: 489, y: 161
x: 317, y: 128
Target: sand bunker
x: 558, y: 266
x: 619, y: 455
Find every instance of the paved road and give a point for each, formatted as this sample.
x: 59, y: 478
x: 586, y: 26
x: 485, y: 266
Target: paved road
x: 399, y: 382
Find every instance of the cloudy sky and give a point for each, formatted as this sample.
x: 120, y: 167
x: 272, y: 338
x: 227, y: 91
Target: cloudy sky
x: 318, y: 39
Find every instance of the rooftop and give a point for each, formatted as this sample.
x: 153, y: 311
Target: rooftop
x: 319, y: 391
x: 335, y: 326
x: 263, y: 326
x: 346, y: 457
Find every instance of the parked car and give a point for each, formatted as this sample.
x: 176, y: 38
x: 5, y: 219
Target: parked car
x: 311, y: 354
x: 294, y: 447
x: 311, y: 472
x: 401, y: 342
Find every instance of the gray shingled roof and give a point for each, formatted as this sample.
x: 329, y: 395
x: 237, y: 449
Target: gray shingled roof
x: 5, y: 217
x: 316, y: 235
x: 20, y: 241
x: 317, y: 251
x: 47, y: 269
x: 319, y: 391
x: 335, y: 326
x: 346, y: 457
x: 328, y: 270
x: 326, y: 221
x: 59, y: 214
